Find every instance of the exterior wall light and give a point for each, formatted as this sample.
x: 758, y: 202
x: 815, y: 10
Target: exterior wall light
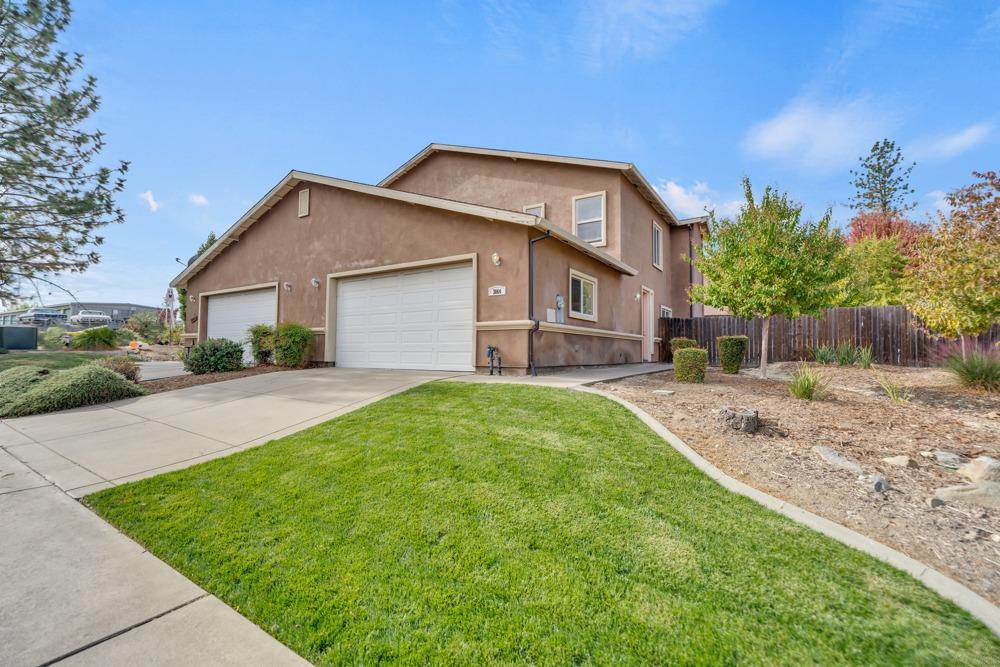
x: 287, y: 286
x: 496, y: 259
x: 314, y: 282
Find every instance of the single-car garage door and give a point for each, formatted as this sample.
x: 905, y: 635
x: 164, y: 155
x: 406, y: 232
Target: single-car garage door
x: 230, y: 315
x: 418, y: 319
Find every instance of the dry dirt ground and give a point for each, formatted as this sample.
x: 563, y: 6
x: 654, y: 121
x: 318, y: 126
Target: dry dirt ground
x: 856, y: 419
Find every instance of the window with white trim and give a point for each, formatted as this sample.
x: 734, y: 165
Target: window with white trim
x: 535, y: 209
x: 666, y: 312
x: 657, y: 246
x: 582, y: 296
x: 589, y: 218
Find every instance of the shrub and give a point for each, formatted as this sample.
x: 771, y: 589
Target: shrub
x: 147, y: 324
x: 261, y: 339
x: 98, y: 338
x: 895, y: 392
x: 865, y: 356
x: 291, y: 344
x: 52, y: 339
x: 846, y: 354
x: 980, y: 369
x: 121, y: 365
x: 215, y: 355
x: 17, y: 380
x: 732, y: 349
x: 807, y: 384
x: 4, y: 350
x: 690, y: 364
x: 679, y: 343
x: 124, y: 336
x: 84, y: 385
x: 172, y: 335
x: 824, y: 354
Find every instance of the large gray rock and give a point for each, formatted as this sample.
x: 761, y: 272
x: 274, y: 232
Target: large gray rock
x: 838, y: 460
x: 984, y: 494
x: 949, y: 460
x: 981, y: 469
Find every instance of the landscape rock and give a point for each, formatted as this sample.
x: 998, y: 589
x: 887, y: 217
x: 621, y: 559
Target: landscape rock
x: 949, y: 460
x: 927, y: 455
x: 984, y: 494
x: 934, y: 501
x: 664, y: 392
x: 877, y: 483
x: 837, y: 460
x: 901, y: 461
x: 981, y: 469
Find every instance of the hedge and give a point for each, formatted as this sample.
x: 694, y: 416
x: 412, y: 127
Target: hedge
x: 215, y: 355
x: 690, y: 364
x: 679, y: 343
x: 291, y: 344
x: 89, y: 384
x: 732, y: 349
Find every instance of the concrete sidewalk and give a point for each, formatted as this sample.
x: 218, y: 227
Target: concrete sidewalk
x: 157, y: 370
x: 570, y: 378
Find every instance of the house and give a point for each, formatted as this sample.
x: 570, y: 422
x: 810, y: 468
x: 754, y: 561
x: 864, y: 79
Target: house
x: 555, y: 261
x: 118, y: 312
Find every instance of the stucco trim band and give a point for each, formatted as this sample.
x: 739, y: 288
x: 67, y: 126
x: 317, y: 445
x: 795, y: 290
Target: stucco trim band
x: 554, y: 327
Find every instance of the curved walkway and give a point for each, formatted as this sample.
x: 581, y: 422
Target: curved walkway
x: 948, y: 588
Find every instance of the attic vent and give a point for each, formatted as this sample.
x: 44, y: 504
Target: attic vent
x: 303, y: 203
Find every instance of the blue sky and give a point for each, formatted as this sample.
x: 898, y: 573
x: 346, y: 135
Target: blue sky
x: 213, y: 102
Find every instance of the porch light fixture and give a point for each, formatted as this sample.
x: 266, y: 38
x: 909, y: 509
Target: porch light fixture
x: 287, y: 286
x: 496, y: 259
x: 314, y: 282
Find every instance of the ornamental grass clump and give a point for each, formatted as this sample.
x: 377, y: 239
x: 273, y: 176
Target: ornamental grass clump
x: 847, y: 354
x: 895, y: 392
x: 979, y: 369
x: 807, y: 383
x: 824, y: 354
x: 690, y: 364
x: 732, y: 350
x: 865, y: 356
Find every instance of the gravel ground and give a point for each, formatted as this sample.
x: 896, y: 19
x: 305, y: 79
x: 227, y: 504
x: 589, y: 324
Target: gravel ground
x: 857, y: 420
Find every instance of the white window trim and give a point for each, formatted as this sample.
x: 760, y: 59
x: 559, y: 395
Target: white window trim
x: 541, y: 205
x: 670, y: 312
x: 604, y: 216
x: 573, y: 273
x: 659, y: 250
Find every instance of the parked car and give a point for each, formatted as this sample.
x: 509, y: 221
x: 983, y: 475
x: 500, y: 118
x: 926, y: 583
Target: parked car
x: 90, y: 318
x: 42, y: 317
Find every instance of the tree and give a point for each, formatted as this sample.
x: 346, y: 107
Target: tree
x: 875, y: 273
x: 181, y: 292
x: 954, y: 281
x: 767, y: 262
x: 876, y: 225
x: 52, y: 199
x: 882, y: 184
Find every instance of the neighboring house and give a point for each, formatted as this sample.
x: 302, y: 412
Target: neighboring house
x: 118, y: 312
x: 555, y: 261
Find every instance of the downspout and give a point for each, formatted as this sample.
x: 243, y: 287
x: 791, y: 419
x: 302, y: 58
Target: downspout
x: 531, y: 299
x: 690, y: 272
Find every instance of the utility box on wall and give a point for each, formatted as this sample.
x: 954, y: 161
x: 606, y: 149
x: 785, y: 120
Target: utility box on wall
x: 19, y: 338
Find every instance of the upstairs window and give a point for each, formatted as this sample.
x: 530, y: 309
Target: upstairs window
x: 582, y: 296
x: 588, y: 218
x: 657, y: 246
x: 536, y: 209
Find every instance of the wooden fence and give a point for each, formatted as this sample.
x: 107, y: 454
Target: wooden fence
x: 894, y: 333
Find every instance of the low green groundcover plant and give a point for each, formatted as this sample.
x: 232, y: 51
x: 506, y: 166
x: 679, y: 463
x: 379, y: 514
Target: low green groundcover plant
x: 732, y: 349
x: 261, y: 338
x: 84, y: 385
x: 979, y: 369
x: 291, y: 344
x: 17, y: 380
x: 690, y: 364
x: 680, y: 342
x: 500, y: 524
x: 122, y: 365
x: 807, y: 383
x: 215, y: 355
x: 97, y: 338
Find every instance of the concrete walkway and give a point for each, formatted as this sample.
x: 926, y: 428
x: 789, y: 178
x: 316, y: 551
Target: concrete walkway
x: 571, y: 378
x: 73, y: 589
x: 157, y: 370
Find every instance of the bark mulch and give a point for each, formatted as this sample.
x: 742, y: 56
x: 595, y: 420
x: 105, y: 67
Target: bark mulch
x: 184, y: 381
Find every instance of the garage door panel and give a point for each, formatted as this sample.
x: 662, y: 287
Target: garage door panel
x: 414, y: 319
x: 231, y: 315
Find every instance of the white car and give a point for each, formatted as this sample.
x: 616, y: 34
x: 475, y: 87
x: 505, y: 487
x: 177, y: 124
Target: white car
x: 90, y: 318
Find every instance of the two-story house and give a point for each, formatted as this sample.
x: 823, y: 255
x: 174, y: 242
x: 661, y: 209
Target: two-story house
x: 554, y: 261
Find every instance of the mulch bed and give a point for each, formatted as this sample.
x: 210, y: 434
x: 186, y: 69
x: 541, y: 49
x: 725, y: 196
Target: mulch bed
x: 184, y: 381
x: 855, y: 419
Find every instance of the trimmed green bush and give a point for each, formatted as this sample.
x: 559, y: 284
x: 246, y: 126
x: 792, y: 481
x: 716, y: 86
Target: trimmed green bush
x: 679, y: 343
x: 261, y: 338
x: 291, y: 344
x: 17, y: 380
x: 980, y: 369
x: 122, y: 365
x: 215, y: 355
x: 52, y: 339
x: 98, y: 338
x: 690, y: 364
x: 732, y: 349
x: 89, y: 384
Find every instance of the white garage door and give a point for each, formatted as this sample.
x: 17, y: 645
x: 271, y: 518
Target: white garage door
x: 230, y: 315
x: 413, y: 319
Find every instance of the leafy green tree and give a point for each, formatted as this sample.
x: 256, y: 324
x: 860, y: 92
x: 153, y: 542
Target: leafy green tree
x: 181, y: 292
x: 767, y: 262
x: 882, y: 184
x: 875, y: 273
x: 52, y: 198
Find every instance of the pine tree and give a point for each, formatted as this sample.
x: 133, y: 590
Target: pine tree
x: 882, y: 184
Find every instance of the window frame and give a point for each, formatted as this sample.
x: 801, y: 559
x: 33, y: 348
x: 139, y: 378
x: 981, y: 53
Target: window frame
x: 583, y: 277
x: 603, y: 194
x: 524, y: 209
x: 656, y: 237
x: 670, y: 311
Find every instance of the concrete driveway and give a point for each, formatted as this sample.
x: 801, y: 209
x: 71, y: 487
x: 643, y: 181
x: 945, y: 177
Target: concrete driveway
x: 74, y: 590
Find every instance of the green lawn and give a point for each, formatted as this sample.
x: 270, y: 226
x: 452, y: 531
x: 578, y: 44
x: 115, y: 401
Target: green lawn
x: 56, y: 361
x: 479, y: 524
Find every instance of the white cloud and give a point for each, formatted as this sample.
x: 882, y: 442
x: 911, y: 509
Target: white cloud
x: 696, y: 200
x: 950, y: 145
x: 611, y: 30
x: 938, y: 201
x: 819, y: 136
x: 147, y: 197
x: 198, y: 199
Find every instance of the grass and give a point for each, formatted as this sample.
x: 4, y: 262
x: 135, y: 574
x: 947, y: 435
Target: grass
x: 979, y: 369
x: 806, y: 383
x: 895, y: 392
x: 56, y: 361
x: 482, y: 524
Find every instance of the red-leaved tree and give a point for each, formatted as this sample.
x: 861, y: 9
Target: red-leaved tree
x: 877, y: 225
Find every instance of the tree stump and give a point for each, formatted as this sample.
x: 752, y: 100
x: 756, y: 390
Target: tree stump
x: 740, y: 419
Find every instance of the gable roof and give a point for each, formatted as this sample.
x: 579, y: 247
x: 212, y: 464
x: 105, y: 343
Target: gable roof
x: 294, y: 178
x: 628, y: 169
